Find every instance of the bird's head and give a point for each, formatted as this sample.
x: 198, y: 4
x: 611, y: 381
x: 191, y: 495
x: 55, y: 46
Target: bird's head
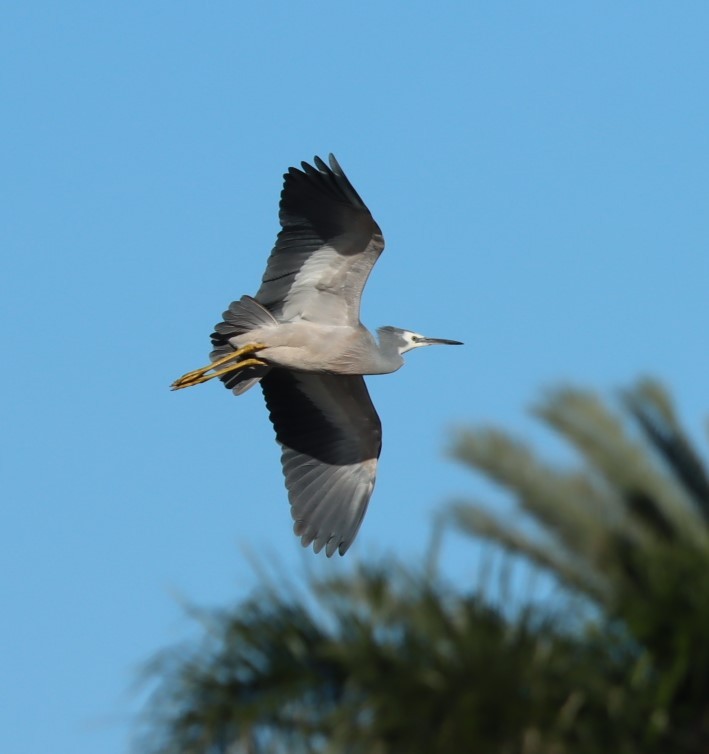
x: 406, y: 340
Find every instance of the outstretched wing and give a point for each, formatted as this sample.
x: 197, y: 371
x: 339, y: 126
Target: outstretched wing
x: 325, y: 251
x: 330, y: 435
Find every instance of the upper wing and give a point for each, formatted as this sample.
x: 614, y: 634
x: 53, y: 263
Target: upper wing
x: 331, y: 438
x: 326, y: 250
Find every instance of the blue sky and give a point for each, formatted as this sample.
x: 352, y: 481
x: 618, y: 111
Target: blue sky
x: 539, y: 171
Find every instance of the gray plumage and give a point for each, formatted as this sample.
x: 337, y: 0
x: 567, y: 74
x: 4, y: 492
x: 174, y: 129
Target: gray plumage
x: 306, y: 315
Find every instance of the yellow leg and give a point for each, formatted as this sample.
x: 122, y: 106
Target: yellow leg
x: 197, y: 376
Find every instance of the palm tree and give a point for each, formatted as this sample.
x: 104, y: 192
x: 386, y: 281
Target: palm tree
x: 628, y: 528
x: 389, y: 659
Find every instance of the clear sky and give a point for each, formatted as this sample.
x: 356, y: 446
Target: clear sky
x: 540, y: 171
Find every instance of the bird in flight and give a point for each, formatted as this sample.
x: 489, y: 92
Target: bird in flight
x: 301, y: 338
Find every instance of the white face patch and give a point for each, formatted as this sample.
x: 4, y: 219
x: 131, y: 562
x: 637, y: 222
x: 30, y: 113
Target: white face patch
x: 413, y: 340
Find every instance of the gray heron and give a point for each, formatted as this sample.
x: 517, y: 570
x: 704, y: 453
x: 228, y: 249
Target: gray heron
x: 302, y: 339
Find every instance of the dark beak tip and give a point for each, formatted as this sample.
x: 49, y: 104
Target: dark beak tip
x: 444, y: 342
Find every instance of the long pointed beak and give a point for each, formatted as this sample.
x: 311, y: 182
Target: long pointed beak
x: 439, y: 342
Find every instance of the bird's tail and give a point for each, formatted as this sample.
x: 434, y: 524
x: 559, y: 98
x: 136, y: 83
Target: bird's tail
x: 242, y: 316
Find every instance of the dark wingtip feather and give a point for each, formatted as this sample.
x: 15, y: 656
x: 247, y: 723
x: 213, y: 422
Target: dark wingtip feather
x: 320, y: 165
x: 334, y: 164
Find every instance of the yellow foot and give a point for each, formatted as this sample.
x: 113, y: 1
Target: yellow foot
x: 210, y: 371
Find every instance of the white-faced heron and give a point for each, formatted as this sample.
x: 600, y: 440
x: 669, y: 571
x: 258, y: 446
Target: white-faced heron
x: 302, y: 339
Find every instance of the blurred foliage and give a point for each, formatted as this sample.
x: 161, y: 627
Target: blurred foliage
x: 388, y: 659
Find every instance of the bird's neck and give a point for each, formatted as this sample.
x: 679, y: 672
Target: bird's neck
x: 387, y: 357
